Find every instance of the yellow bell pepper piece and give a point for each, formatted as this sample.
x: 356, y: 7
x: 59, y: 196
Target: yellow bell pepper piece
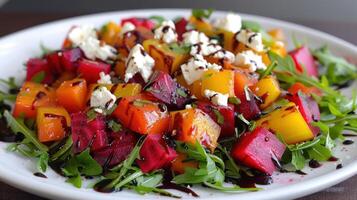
x: 218, y: 81
x: 268, y: 90
x: 202, y: 26
x: 110, y: 33
x: 119, y: 90
x: 289, y: 123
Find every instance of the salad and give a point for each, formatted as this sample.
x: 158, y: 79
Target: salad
x: 150, y: 104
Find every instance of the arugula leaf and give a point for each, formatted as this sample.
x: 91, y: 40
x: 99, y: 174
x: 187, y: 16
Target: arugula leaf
x: 116, y: 127
x: 337, y: 70
x: 42, y: 162
x: 268, y: 70
x: 76, y: 181
x: 220, y: 118
x: 45, y: 50
x: 179, y: 49
x: 298, y: 159
x: 158, y: 19
x: 65, y: 148
x: 202, y: 13
x: 256, y: 27
x: 38, y: 77
x: 18, y: 126
x: 234, y: 100
x: 319, y: 153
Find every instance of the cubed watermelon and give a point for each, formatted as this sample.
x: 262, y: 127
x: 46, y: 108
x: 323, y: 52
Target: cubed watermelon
x: 155, y: 154
x: 258, y: 149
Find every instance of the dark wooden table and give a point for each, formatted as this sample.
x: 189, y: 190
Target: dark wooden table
x: 10, y: 22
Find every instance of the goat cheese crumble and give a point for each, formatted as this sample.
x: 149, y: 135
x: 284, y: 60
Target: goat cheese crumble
x: 102, y: 99
x: 127, y: 27
x: 195, y: 67
x: 194, y: 37
x: 211, y: 49
x: 166, y: 32
x: 139, y: 61
x: 251, y: 60
x: 252, y: 39
x: 85, y: 37
x: 104, y: 78
x: 216, y: 97
x: 231, y: 22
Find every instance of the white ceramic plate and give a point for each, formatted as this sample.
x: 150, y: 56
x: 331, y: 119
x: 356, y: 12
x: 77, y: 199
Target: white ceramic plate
x: 18, y: 171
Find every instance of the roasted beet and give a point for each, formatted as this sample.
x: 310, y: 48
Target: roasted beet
x: 87, y: 133
x: 308, y: 108
x: 164, y: 88
x: 36, y: 66
x: 227, y: 112
x: 259, y: 150
x: 121, y: 145
x: 54, y: 61
x: 137, y: 78
x: 249, y: 108
x: 70, y: 58
x: 90, y: 69
x: 155, y: 154
x: 180, y: 26
x: 304, y: 61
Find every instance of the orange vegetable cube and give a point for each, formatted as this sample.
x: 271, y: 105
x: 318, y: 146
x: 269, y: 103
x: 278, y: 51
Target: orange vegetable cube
x: 110, y: 33
x: 180, y: 163
x: 72, y: 95
x: 191, y: 125
x: 218, y: 81
x: 268, y: 90
x: 31, y: 96
x: 52, y: 123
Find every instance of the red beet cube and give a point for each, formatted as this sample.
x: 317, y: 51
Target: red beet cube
x: 257, y: 150
x: 90, y: 69
x: 248, y: 107
x: 69, y: 59
x: 121, y: 145
x: 36, y: 66
x: 180, y: 26
x: 304, y: 61
x: 308, y: 108
x: 54, y: 61
x: 155, y: 154
x: 227, y: 112
x: 88, y: 133
x: 164, y: 88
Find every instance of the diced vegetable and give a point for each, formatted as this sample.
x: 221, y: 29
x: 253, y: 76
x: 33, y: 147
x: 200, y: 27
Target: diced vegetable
x: 243, y: 79
x: 304, y: 61
x: 155, y: 154
x: 225, y: 78
x: 296, y: 87
x: 119, y: 90
x: 202, y: 25
x: 72, y: 95
x: 37, y: 67
x: 249, y: 106
x: 308, y: 108
x: 31, y: 96
x: 258, y: 150
x: 52, y: 123
x: 122, y: 143
x: 166, y: 60
x: 147, y: 23
x: 268, y: 90
x: 141, y: 115
x: 191, y: 125
x: 90, y: 69
x: 180, y: 26
x: 181, y: 163
x: 288, y: 122
x: 110, y: 33
x: 164, y: 88
x: 88, y: 133
x: 130, y: 39
x: 222, y: 115
x: 70, y: 58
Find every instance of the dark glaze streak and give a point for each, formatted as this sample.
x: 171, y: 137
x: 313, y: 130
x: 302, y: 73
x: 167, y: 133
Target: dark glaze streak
x: 347, y: 142
x: 39, y: 174
x: 339, y: 166
x: 314, y: 164
x: 76, y: 83
x: 333, y: 159
x: 251, y: 37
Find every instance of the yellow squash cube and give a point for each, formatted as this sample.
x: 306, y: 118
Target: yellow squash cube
x: 218, y: 81
x: 289, y: 123
x: 268, y: 90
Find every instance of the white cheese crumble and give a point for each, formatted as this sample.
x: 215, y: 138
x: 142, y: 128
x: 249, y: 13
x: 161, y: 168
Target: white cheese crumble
x: 166, y: 32
x: 104, y: 78
x: 216, y: 97
x: 251, y: 60
x: 211, y: 49
x: 194, y: 37
x: 195, y: 67
x: 127, y: 27
x: 188, y: 106
x: 85, y: 37
x: 102, y: 99
x: 231, y: 22
x: 252, y: 39
x: 139, y: 61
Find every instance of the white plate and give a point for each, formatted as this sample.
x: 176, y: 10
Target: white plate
x: 18, y: 171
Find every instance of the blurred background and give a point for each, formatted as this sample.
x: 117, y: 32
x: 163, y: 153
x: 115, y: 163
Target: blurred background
x: 337, y: 17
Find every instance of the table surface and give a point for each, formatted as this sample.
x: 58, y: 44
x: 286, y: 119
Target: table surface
x: 10, y: 22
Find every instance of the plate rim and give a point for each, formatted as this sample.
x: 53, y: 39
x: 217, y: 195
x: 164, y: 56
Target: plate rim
x: 306, y: 187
